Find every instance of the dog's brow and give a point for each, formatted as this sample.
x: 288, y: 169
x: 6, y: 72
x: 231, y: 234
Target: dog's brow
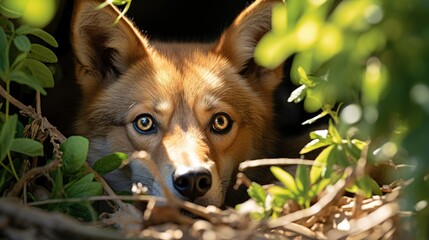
x: 162, y: 106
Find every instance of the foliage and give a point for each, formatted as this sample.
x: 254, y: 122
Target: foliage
x: 27, y: 63
x: 369, y: 55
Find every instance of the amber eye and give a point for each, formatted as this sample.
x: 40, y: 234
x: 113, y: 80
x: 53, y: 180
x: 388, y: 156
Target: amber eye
x: 221, y: 123
x: 145, y: 124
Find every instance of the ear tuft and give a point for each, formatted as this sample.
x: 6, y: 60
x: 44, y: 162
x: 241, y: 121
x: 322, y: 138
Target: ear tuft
x: 103, y: 51
x: 238, y: 42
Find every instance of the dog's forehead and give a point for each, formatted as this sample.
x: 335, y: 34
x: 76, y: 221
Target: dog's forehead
x: 192, y: 68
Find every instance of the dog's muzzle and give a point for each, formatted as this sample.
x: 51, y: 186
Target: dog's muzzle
x: 192, y: 182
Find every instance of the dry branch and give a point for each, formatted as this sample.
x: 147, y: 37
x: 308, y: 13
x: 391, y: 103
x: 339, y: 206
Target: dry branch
x: 18, y: 216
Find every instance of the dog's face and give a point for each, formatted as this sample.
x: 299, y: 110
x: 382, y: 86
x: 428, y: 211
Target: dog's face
x: 197, y: 109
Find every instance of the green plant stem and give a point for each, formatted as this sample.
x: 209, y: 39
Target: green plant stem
x: 7, y: 100
x: 12, y: 167
x: 5, y: 167
x: 7, y: 80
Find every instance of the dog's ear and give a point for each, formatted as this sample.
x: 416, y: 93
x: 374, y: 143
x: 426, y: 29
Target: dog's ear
x: 103, y: 51
x: 238, y: 42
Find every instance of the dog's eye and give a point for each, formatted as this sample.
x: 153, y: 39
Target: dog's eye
x: 145, y: 124
x: 221, y: 123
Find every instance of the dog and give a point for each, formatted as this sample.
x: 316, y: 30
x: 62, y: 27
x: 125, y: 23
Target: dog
x: 198, y: 109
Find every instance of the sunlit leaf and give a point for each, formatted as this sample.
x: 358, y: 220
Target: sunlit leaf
x: 333, y: 132
x: 285, y: 178
x: 109, y: 163
x: 375, y: 188
x: 302, y: 179
x: 273, y: 49
x: 314, y: 119
x: 281, y: 192
x: 320, y: 164
x: 257, y: 193
x: 313, y: 145
x: 279, y: 18
x: 303, y: 78
x: 359, y: 144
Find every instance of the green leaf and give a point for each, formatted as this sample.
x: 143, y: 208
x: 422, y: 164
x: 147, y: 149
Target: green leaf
x: 314, y: 119
x: 109, y: 163
x: 257, y: 193
x: 75, y: 152
x: 22, y: 78
x: 7, y: 135
x: 280, y: 192
x: 318, y: 187
x: 19, y: 60
x: 359, y: 144
x: 298, y: 94
x: 42, y: 53
x: 313, y: 145
x: 41, y: 72
x: 27, y: 146
x: 303, y: 78
x: 83, y: 211
x: 279, y: 18
x: 273, y: 49
x: 333, y: 132
x: 319, y: 134
x: 339, y: 156
x: 375, y: 188
x: 22, y: 43
x: 364, y: 186
x: 285, y: 178
x: 319, y: 164
x: 302, y: 179
x: 84, y: 187
x: 8, y: 12
x: 45, y: 36
x: 4, y: 59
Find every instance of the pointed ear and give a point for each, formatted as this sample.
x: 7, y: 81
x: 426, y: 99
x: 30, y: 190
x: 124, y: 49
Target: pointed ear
x: 238, y: 42
x: 103, y: 51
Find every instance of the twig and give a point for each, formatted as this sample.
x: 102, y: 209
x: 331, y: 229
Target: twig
x: 53, y: 222
x: 273, y: 161
x: 145, y: 157
x: 242, y: 179
x: 38, y: 104
x: 106, y: 187
x: 368, y: 222
x: 55, y: 135
x: 31, y: 174
x: 30, y: 112
x: 299, y: 229
x: 145, y: 198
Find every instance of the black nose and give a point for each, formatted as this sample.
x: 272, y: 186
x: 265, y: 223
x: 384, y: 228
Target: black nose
x: 192, y: 182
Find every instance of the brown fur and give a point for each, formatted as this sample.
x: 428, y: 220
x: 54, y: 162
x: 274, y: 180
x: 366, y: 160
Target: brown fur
x: 182, y: 86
